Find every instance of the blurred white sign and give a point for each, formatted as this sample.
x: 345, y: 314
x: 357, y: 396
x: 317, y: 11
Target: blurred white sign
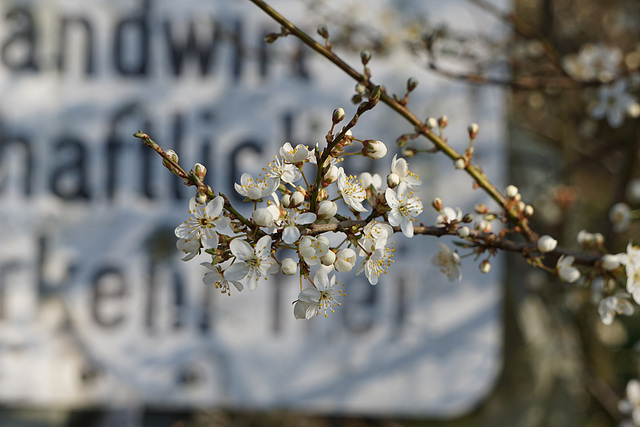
x: 96, y: 306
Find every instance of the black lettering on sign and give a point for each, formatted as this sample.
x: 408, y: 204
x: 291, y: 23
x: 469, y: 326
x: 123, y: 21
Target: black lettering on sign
x: 69, y: 178
x: 24, y: 144
x: 178, y: 296
x: 109, y: 290
x: 86, y: 35
x: 131, y: 45
x: 194, y: 46
x: 18, y: 51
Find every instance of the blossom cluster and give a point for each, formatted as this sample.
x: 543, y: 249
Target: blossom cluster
x: 301, y: 191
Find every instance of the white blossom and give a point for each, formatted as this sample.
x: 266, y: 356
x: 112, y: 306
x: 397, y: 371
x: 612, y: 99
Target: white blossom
x: 312, y: 248
x: 376, y: 264
x: 285, y: 172
x: 593, y: 61
x: 448, y: 215
x: 631, y: 260
x: 205, y: 222
x: 351, y: 191
x: 566, y: 271
x: 295, y: 155
x: 191, y: 247
x: 613, y: 103
x: 630, y: 405
x: 374, y: 236
x: 367, y: 180
x: 404, y: 208
x: 612, y: 305
x: 406, y: 179
x: 222, y: 279
x: 252, y: 264
x: 620, y: 217
x: 319, y: 299
x: 448, y: 262
x: 256, y: 189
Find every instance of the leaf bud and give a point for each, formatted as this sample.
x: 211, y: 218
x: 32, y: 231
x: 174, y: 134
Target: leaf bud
x: 412, y: 83
x: 323, y: 32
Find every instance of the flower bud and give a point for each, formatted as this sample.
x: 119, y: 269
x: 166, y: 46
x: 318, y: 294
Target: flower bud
x: 467, y: 218
x: 361, y: 88
x: 262, y: 217
x: 345, y: 260
x: 610, y: 262
x: 485, y: 266
x: 331, y: 175
x: 473, y: 130
x: 409, y: 152
x: 327, y: 209
x: 338, y: 115
x: 199, y: 171
x: 547, y: 244
x: 289, y: 266
x: 297, y: 198
x: 412, y: 83
x: 481, y: 208
x: 374, y: 149
x: 443, y: 122
x: 432, y: 123
x: 401, y: 141
x: 285, y: 200
x: 459, y: 163
x: 328, y: 259
x: 393, y: 180
x: 528, y: 211
x: 520, y: 206
x: 463, y: 232
x: 201, y: 197
x: 172, y: 154
x: 437, y: 204
x: 511, y: 191
x: 365, y: 56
